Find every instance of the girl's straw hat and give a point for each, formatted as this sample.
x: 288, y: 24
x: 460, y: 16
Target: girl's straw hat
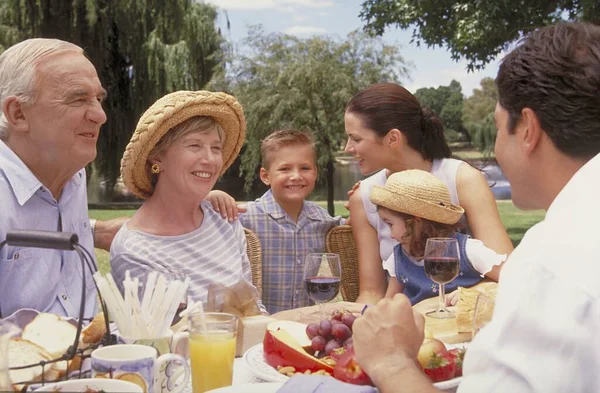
x: 170, y: 111
x: 419, y: 194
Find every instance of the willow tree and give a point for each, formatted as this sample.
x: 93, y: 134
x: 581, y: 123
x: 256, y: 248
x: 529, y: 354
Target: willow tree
x: 142, y: 50
x: 284, y: 81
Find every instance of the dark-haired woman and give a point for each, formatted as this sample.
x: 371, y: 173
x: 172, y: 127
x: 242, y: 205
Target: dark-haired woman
x: 388, y: 128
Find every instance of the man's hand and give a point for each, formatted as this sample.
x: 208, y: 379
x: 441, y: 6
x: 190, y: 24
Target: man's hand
x: 105, y: 232
x: 387, y: 338
x: 224, y: 204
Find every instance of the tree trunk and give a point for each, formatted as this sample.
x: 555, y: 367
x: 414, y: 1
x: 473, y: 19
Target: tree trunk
x: 330, y: 172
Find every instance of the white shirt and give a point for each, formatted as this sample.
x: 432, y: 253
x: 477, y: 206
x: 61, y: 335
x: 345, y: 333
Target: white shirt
x: 543, y: 335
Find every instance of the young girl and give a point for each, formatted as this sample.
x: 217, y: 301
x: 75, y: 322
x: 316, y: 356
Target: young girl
x: 416, y: 205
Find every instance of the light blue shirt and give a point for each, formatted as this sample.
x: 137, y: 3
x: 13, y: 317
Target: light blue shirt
x: 42, y: 279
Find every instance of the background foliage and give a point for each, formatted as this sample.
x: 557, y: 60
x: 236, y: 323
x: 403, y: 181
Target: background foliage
x: 476, y: 30
x: 286, y: 82
x: 142, y: 49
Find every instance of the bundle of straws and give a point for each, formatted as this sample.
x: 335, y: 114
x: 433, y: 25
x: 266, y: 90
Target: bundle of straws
x: 148, y: 317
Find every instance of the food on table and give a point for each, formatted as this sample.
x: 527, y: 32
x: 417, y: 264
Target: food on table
x: 439, y: 363
x: 348, y: 370
x: 48, y: 337
x: 441, y: 367
x: 282, y: 349
x: 326, y: 348
x: 251, y: 331
x: 465, y: 307
x: 430, y: 347
x: 24, y: 352
x: 459, y: 354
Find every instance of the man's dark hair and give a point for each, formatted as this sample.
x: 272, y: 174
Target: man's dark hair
x: 555, y: 71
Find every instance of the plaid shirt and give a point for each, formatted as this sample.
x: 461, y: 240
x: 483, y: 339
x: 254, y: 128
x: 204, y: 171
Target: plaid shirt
x: 284, y: 246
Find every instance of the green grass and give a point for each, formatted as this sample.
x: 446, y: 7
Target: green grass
x: 516, y: 221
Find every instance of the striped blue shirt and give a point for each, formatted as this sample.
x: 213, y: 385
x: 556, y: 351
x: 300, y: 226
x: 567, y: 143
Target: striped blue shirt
x: 42, y: 279
x: 213, y: 253
x: 284, y: 246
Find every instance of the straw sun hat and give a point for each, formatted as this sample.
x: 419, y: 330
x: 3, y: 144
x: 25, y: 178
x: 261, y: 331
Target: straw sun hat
x: 419, y: 194
x: 170, y: 111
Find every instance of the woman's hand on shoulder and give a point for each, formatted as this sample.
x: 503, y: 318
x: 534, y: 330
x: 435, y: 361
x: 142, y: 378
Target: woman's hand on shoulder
x: 225, y: 204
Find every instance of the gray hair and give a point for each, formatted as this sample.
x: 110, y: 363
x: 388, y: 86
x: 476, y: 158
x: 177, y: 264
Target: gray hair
x: 18, y: 76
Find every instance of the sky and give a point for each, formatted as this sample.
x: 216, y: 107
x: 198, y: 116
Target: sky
x: 303, y: 18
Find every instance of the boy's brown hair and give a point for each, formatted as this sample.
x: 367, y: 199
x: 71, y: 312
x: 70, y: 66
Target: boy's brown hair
x: 284, y: 138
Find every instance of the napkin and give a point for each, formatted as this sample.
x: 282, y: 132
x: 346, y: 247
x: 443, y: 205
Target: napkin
x: 240, y: 300
x: 321, y: 384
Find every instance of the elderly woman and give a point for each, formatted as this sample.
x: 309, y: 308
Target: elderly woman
x: 388, y: 128
x: 182, y: 144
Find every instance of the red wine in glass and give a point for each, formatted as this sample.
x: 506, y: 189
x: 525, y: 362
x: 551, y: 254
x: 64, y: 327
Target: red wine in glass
x: 441, y: 266
x: 442, y: 269
x: 322, y: 289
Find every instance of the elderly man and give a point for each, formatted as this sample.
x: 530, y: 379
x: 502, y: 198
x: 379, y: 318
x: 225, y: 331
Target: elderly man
x: 51, y: 101
x: 542, y: 336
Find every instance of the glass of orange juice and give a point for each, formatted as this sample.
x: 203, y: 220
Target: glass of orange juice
x: 212, y: 349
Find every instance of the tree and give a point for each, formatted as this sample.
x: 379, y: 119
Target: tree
x: 447, y: 103
x: 142, y: 49
x: 283, y: 81
x: 478, y: 114
x: 476, y: 30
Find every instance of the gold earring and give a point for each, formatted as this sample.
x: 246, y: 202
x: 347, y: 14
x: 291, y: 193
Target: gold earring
x: 155, y: 168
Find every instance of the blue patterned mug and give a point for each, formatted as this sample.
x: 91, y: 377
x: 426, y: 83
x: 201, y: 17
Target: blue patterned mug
x: 135, y: 363
x: 169, y: 372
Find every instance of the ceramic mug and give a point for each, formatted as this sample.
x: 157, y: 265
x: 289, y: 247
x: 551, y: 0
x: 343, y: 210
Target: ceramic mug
x: 169, y: 372
x: 135, y: 363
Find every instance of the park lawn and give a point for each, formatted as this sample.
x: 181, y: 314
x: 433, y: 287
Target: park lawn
x: 516, y: 221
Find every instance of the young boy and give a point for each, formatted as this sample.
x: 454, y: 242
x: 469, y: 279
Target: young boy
x: 288, y: 226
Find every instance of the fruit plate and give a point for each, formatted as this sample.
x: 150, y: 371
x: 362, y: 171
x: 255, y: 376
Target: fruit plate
x: 255, y: 361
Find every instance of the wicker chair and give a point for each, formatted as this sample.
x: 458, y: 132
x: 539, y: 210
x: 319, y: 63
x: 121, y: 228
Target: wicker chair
x: 254, y: 252
x: 339, y: 241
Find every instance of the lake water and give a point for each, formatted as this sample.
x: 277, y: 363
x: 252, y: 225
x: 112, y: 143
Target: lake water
x: 347, y: 173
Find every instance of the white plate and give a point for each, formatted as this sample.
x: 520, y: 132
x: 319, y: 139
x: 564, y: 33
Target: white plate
x: 255, y: 360
x: 249, y: 388
x: 98, y: 384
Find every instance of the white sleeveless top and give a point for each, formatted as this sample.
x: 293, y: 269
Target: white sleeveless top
x: 444, y: 169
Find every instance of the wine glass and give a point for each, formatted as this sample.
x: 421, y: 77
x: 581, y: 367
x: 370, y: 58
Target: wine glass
x: 441, y: 266
x: 322, y: 278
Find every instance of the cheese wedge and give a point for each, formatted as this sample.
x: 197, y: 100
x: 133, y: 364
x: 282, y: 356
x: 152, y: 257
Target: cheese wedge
x: 465, y: 308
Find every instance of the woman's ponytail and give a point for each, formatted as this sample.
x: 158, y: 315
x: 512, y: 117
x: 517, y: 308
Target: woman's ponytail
x: 433, y: 140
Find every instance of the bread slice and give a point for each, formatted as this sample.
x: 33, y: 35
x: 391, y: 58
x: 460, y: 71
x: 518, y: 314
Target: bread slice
x: 52, y: 333
x: 23, y: 353
x: 465, y: 307
x: 93, y: 332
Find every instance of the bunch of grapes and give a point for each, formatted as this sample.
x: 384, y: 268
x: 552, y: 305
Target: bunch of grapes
x: 331, y: 333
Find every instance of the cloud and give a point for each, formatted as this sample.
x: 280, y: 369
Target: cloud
x: 323, y: 13
x: 299, y: 18
x: 283, y: 5
x: 305, y: 30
